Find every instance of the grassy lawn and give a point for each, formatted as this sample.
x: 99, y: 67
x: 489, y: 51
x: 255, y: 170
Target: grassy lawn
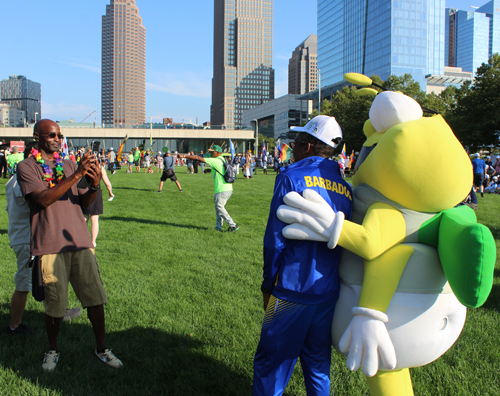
x: 185, y: 307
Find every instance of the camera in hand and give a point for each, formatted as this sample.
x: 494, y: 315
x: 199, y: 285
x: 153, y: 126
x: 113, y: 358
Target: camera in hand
x: 85, y: 181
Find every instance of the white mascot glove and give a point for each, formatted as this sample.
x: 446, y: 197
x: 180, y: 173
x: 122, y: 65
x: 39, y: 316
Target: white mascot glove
x: 367, y: 338
x: 311, y: 218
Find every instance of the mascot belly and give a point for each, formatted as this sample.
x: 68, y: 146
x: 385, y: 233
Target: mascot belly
x: 423, y: 322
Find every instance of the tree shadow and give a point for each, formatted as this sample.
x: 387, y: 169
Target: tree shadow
x: 148, y: 221
x: 155, y: 362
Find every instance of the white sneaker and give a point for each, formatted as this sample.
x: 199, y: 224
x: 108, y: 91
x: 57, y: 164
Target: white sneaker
x: 50, y: 360
x: 111, y: 198
x: 109, y: 359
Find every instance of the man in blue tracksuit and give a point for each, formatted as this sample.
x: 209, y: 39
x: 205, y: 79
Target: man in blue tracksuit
x: 301, y: 281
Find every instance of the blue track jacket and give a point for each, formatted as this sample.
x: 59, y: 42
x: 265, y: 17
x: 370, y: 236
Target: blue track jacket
x: 304, y: 272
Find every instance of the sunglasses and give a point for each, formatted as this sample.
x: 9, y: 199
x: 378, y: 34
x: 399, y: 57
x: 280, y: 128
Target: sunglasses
x: 52, y: 135
x: 293, y: 144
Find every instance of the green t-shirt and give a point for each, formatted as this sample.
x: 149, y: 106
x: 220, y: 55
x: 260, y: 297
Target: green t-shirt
x: 14, y: 159
x: 131, y: 158
x: 137, y: 155
x: 217, y: 164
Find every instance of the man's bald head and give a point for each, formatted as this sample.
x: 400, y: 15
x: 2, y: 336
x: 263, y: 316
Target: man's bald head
x: 43, y: 126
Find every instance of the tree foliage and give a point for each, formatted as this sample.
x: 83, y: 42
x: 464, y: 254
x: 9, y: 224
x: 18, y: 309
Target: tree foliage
x: 472, y: 111
x: 475, y: 118
x: 351, y: 112
x: 270, y: 142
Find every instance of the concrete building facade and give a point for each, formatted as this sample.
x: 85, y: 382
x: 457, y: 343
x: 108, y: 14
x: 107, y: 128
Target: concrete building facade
x: 302, y: 67
x: 454, y: 76
x: 12, y: 116
x: 23, y: 93
x: 243, y: 76
x: 182, y: 140
x: 275, y: 118
x: 123, y: 78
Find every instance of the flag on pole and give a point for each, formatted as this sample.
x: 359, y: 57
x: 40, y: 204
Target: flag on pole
x: 285, y: 152
x: 231, y: 148
x: 64, y: 147
x: 264, y: 151
x: 343, y: 153
x: 350, y: 159
x: 276, y: 150
x: 120, y: 150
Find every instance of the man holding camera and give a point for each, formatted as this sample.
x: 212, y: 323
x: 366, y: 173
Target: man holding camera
x: 60, y: 237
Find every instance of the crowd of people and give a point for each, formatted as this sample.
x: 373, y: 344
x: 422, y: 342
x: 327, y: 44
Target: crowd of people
x: 300, y: 278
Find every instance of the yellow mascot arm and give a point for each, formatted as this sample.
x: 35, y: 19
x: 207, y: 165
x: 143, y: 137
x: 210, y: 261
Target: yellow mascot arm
x: 382, y: 228
x: 381, y: 277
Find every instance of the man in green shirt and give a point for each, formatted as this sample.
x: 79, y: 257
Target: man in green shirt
x: 137, y: 160
x: 223, y: 190
x: 14, y: 159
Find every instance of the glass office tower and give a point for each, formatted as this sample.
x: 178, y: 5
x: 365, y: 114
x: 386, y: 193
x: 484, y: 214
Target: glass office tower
x: 123, y: 78
x: 472, y: 37
x: 243, y: 49
x: 380, y: 37
x: 23, y: 93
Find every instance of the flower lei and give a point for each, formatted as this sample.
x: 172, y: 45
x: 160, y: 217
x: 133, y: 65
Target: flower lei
x: 48, y: 175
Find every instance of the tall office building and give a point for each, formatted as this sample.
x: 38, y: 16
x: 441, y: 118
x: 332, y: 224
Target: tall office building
x: 243, y: 49
x: 302, y: 67
x: 23, y: 93
x: 123, y: 92
x: 472, y: 37
x: 380, y: 37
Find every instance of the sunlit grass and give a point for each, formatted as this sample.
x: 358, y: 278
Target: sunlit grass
x: 185, y: 307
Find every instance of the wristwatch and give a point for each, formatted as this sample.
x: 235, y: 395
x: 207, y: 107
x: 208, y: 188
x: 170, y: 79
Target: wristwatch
x: 95, y: 188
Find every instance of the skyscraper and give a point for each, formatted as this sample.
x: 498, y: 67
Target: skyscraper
x: 243, y: 74
x: 23, y: 93
x: 123, y: 92
x: 472, y: 37
x: 302, y: 67
x: 380, y: 37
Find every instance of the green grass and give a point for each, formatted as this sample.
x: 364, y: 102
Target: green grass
x: 185, y: 307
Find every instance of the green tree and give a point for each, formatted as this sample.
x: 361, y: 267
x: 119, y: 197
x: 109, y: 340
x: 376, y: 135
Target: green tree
x: 476, y: 117
x: 270, y: 142
x: 351, y: 112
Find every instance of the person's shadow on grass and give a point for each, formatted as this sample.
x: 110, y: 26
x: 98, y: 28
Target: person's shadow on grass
x: 155, y: 362
x: 149, y: 221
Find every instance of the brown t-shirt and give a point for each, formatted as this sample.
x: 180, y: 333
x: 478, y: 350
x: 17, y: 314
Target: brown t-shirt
x: 60, y: 227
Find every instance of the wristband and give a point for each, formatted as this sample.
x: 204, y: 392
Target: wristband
x: 371, y: 313
x: 95, y: 188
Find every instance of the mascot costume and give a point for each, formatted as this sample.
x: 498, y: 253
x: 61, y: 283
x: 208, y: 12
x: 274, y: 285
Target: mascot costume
x: 412, y: 261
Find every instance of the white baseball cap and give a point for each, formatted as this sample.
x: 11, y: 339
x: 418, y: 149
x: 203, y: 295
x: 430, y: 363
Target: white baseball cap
x: 324, y: 128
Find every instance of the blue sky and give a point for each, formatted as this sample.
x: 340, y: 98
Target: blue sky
x: 58, y: 44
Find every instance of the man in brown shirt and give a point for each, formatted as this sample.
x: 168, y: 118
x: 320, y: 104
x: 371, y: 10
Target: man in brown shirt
x: 59, y: 235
